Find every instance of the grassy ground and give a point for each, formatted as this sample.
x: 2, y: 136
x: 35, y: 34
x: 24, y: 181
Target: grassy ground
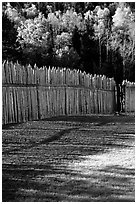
x: 69, y: 159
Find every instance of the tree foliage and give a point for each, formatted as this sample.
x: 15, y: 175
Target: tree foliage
x: 93, y: 36
x: 123, y: 34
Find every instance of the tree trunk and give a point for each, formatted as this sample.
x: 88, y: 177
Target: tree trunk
x: 107, y: 48
x: 108, y: 32
x: 124, y: 59
x: 118, y: 98
x: 124, y: 75
x: 100, y: 54
x: 108, y: 35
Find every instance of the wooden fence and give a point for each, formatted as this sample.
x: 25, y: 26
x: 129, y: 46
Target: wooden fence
x: 129, y: 96
x: 31, y: 93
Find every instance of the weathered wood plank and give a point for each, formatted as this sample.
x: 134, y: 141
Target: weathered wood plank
x: 44, y: 92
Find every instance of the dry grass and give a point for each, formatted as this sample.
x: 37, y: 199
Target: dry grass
x: 70, y: 159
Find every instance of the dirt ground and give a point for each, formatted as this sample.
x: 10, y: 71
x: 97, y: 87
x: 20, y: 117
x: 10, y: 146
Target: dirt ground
x: 70, y: 159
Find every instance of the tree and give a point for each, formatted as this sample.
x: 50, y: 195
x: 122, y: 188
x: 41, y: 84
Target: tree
x: 123, y: 34
x: 52, y: 33
x: 101, y: 29
x: 10, y: 48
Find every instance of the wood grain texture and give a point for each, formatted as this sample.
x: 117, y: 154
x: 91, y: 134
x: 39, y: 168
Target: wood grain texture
x: 33, y: 93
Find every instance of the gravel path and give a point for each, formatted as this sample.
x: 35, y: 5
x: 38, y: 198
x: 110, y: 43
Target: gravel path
x: 70, y: 159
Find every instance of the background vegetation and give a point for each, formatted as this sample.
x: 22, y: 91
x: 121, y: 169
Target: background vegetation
x: 95, y: 37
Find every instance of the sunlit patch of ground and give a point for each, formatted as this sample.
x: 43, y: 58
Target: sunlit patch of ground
x: 88, y: 159
x: 112, y: 171
x: 116, y: 157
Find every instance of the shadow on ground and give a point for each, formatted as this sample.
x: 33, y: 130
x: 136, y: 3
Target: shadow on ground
x: 99, y: 119
x: 96, y: 119
x: 112, y: 184
x: 59, y: 162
